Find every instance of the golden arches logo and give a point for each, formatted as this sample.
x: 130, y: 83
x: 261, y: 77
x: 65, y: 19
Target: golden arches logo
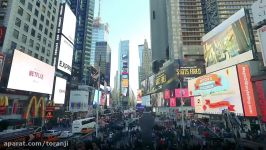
x: 35, y: 106
x: 3, y: 101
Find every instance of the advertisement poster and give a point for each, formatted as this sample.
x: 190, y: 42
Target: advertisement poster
x: 247, y: 92
x: 30, y: 74
x: 172, y: 102
x: 226, y: 42
x: 139, y: 96
x: 216, y: 92
x: 79, y: 100
x: 157, y: 99
x: 167, y: 94
x: 69, y: 24
x: 261, y: 90
x: 262, y: 37
x: 59, y: 90
x: 146, y: 100
x: 181, y: 92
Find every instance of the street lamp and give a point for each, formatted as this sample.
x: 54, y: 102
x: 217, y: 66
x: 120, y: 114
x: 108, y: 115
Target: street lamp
x: 181, y: 94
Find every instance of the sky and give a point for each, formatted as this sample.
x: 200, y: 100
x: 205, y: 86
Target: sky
x: 128, y: 20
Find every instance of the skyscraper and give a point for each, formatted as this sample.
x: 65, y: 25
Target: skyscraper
x: 159, y: 31
x: 84, y: 10
x: 182, y: 22
x: 100, y: 32
x: 123, y: 71
x: 29, y: 26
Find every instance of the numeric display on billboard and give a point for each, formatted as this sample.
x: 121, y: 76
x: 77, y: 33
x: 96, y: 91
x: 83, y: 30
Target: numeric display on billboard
x: 65, y: 56
x: 69, y: 24
x: 229, y: 43
x: 59, y: 90
x: 30, y: 74
x: 216, y: 92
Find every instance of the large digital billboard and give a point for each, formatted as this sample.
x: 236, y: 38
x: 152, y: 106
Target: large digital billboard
x: 65, y: 56
x: 157, y: 99
x: 78, y: 101
x: 30, y: 74
x: 146, y: 101
x: 69, y: 24
x: 59, y: 90
x: 229, y: 43
x: 217, y: 91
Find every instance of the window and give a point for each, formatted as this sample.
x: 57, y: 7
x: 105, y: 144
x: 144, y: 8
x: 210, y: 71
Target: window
x: 22, y: 2
x: 38, y: 3
x: 34, y: 22
x: 50, y: 35
x: 45, y: 1
x: 39, y: 37
x: 47, y: 22
x: 36, y: 13
x: 50, y: 6
x: 13, y: 45
x: 26, y: 27
x: 22, y: 49
x: 42, y: 58
x: 36, y: 55
x: 153, y: 14
x: 42, y: 18
x: 37, y: 46
x: 40, y: 27
x: 47, y: 61
x: 54, y: 10
x: 43, y: 50
x: 52, y: 18
x: 30, y: 52
x: 43, y: 9
x: 20, y: 11
x: 48, y: 14
x: 31, y: 42
x: 46, y: 31
x: 48, y: 53
x: 18, y: 22
x: 28, y: 17
x: 52, y: 26
x: 55, y: 2
x: 49, y: 44
x: 15, y: 34
x: 24, y: 38
x: 32, y: 32
x: 29, y: 6
x: 44, y: 40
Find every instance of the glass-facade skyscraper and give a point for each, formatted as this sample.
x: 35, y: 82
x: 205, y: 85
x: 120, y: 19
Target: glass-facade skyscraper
x: 84, y: 10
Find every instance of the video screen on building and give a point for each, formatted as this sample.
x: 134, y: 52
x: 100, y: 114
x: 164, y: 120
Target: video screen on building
x: 59, y: 90
x: 229, y: 43
x: 69, y: 24
x: 30, y: 74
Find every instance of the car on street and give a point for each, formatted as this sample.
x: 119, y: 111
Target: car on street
x: 51, y: 133
x: 65, y: 134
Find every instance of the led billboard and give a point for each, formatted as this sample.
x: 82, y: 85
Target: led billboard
x: 69, y: 24
x: 139, y: 96
x: 157, y: 99
x: 78, y: 101
x: 229, y: 43
x: 65, y: 56
x: 146, y: 101
x: 30, y: 74
x: 216, y: 92
x: 124, y: 82
x: 59, y: 90
x: 246, y: 88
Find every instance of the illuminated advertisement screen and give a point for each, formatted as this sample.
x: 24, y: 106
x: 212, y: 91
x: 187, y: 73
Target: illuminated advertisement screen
x: 96, y: 97
x: 65, y: 56
x: 139, y: 96
x: 69, y: 24
x: 124, y: 82
x: 157, y: 99
x: 216, y: 92
x: 59, y: 90
x: 30, y: 74
x: 146, y: 100
x: 78, y: 100
x: 260, y: 87
x: 229, y: 43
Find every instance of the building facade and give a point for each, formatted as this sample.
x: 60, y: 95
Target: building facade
x: 123, y: 72
x: 103, y: 57
x: 29, y: 26
x: 84, y: 11
x: 100, y: 32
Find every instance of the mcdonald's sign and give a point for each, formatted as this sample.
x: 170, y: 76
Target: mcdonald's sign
x: 34, y: 107
x: 3, y: 104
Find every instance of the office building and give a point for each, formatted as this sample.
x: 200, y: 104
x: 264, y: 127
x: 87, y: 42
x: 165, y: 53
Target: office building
x: 29, y: 26
x: 123, y: 71
x: 182, y: 23
x: 84, y: 11
x: 103, y: 57
x: 100, y: 32
x: 159, y: 30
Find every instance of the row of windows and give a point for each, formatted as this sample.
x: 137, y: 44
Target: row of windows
x: 42, y: 7
x: 31, y: 42
x: 13, y: 45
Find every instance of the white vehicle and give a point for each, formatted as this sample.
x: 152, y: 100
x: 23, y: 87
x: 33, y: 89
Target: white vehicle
x: 51, y: 133
x: 65, y: 134
x: 83, y: 124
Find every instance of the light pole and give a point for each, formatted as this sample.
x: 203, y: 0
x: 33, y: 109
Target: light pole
x: 181, y: 96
